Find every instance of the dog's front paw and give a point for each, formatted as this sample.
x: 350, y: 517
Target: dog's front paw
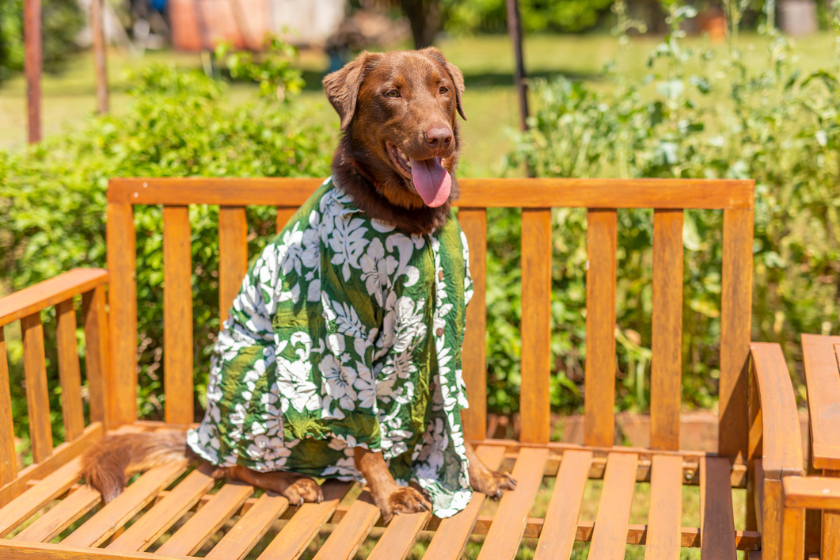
x: 405, y: 499
x: 492, y: 483
x: 303, y: 489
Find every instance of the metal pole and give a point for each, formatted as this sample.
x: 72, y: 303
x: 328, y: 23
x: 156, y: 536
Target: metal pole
x: 100, y: 58
x: 515, y: 32
x: 32, y: 63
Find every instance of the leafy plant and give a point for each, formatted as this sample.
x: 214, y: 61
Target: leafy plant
x: 773, y: 125
x: 179, y: 124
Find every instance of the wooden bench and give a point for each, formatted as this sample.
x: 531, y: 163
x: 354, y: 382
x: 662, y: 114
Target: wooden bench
x: 759, y: 429
x: 822, y: 376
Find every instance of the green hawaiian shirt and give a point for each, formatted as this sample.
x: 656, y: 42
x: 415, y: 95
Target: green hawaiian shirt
x: 346, y: 332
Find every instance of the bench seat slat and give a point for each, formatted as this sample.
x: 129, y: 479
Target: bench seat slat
x: 561, y: 519
x: 302, y: 528
x: 664, y: 534
x: 207, y: 520
x: 250, y: 528
x: 115, y: 514
x: 61, y: 516
x: 453, y: 532
x: 509, y: 523
x: 717, y: 521
x: 613, y: 518
x: 162, y: 515
x: 22, y: 507
x: 352, y: 530
x: 397, y: 540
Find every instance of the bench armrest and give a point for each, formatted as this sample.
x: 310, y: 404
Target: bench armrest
x: 780, y: 434
x: 49, y: 293
x: 811, y: 492
x: 823, y: 380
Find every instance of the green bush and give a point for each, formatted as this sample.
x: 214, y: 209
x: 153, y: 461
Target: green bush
x: 52, y: 198
x: 490, y: 16
x: 767, y: 123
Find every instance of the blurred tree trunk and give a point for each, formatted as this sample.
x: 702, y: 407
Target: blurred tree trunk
x: 424, y: 16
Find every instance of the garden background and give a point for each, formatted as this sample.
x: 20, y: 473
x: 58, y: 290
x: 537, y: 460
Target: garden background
x: 612, y: 102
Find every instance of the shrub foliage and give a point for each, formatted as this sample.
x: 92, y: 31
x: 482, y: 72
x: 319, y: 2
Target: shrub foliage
x: 728, y: 120
x: 52, y: 198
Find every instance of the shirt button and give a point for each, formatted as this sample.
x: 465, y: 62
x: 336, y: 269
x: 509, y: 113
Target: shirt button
x: 439, y: 332
x: 440, y: 275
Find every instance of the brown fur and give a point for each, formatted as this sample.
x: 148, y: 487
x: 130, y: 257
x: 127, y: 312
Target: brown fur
x: 364, y: 170
x: 106, y: 465
x: 369, y: 119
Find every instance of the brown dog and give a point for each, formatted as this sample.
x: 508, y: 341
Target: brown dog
x: 396, y: 161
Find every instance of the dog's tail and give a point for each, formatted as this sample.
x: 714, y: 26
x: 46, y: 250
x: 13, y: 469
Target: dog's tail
x: 106, y: 465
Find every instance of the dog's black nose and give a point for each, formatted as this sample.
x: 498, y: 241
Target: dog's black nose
x: 438, y: 137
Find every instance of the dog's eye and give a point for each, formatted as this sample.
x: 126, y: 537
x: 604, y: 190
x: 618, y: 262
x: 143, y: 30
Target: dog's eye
x: 444, y: 90
x: 392, y: 93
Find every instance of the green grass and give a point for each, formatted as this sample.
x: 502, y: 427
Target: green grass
x: 487, y: 62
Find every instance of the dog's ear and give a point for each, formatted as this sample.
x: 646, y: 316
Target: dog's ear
x: 342, y: 86
x: 454, y: 74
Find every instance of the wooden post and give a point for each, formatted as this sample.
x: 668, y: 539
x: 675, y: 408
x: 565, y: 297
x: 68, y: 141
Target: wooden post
x: 97, y: 29
x: 515, y: 32
x: 32, y: 62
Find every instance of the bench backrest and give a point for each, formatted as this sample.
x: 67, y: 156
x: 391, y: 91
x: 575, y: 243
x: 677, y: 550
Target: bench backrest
x: 536, y: 197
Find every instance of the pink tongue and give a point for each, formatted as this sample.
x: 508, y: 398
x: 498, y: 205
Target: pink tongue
x: 431, y: 180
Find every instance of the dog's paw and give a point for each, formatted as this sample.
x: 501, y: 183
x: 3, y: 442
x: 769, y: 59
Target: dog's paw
x: 303, y: 489
x: 492, y: 483
x: 405, y: 500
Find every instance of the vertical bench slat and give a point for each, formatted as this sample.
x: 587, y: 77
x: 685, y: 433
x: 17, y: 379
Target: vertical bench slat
x: 233, y: 255
x: 717, y: 522
x: 599, y: 382
x: 8, y: 456
x: 666, y: 364
x: 534, y: 402
x: 284, y: 214
x: 37, y: 395
x: 177, y: 315
x: 452, y: 534
x: 609, y: 538
x: 561, y: 519
x: 509, y: 522
x: 122, y: 300
x: 96, y: 352
x: 68, y: 370
x: 473, y: 354
x: 665, y: 517
x: 735, y: 318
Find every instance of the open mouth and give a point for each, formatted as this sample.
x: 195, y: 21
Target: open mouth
x: 430, y: 179
x: 401, y: 161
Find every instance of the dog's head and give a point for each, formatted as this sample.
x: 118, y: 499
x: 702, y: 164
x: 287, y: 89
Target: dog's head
x: 398, y: 112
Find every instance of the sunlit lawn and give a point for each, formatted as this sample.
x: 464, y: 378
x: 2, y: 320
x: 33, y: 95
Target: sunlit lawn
x: 487, y: 63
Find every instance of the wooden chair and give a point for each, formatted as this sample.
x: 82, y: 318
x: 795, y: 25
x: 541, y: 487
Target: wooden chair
x: 759, y: 441
x: 822, y: 376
